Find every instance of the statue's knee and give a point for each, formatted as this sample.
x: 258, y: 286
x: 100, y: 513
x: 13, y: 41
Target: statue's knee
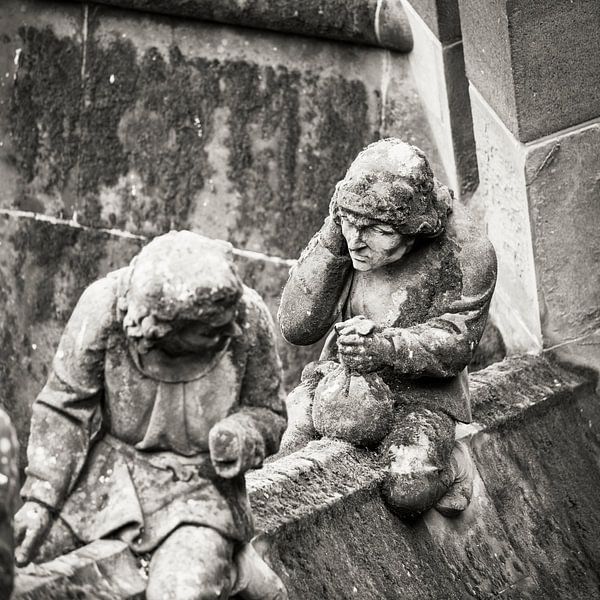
x: 193, y: 563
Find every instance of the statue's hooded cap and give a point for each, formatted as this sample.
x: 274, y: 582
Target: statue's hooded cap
x: 179, y: 276
x: 391, y: 181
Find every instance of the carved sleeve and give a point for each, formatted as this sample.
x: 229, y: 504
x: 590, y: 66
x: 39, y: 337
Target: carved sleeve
x: 261, y: 413
x: 66, y: 414
x: 313, y: 293
x: 443, y: 346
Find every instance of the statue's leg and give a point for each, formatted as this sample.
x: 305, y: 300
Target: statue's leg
x: 459, y: 495
x: 255, y: 579
x: 193, y: 563
x: 299, y: 403
x: 419, y: 450
x: 300, y: 429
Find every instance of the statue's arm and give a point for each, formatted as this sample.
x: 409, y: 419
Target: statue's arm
x: 443, y: 346
x: 260, y: 419
x: 311, y: 296
x: 66, y: 413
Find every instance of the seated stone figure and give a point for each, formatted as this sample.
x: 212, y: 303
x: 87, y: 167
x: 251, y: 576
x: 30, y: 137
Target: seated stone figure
x: 165, y: 389
x: 407, y: 282
x: 9, y: 488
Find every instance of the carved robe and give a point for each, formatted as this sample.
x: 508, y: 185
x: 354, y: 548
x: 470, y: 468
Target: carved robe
x: 117, y: 450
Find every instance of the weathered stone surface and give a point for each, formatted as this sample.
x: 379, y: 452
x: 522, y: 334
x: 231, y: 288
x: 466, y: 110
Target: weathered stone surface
x: 38, y: 152
x: 103, y: 570
x: 539, y: 201
x: 439, y: 74
x: 563, y: 185
x: 328, y: 534
x: 358, y: 21
x: 502, y: 204
x: 534, y: 61
x: 542, y: 476
x: 441, y: 16
x: 168, y: 123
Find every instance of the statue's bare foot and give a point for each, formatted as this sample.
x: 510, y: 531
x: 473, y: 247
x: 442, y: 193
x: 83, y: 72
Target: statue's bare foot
x: 458, y: 497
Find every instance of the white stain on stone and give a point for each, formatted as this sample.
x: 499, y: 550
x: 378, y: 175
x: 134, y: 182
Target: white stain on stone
x: 411, y: 459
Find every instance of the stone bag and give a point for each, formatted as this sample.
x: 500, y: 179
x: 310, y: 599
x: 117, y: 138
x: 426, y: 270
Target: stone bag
x: 352, y: 407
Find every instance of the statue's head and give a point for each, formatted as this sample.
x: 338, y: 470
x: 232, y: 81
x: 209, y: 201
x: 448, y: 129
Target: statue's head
x: 388, y: 199
x: 181, y: 294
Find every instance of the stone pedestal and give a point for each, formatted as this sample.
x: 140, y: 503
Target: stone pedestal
x: 536, y: 114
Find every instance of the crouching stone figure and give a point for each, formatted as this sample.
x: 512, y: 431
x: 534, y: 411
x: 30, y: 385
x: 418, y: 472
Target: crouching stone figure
x: 405, y: 281
x: 165, y: 389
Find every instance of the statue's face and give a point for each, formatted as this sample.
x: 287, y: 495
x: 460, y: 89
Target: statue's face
x: 372, y: 244
x: 183, y: 336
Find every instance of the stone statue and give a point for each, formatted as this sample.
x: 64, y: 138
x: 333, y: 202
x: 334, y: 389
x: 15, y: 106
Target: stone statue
x: 9, y: 487
x: 165, y: 389
x: 403, y: 282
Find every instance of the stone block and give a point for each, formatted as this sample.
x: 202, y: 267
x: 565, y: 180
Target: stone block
x: 535, y: 62
x: 563, y: 184
x: 439, y: 74
x: 501, y: 203
x: 541, y: 473
x: 41, y: 54
x: 170, y: 123
x: 540, y: 203
x: 441, y: 16
x: 357, y: 21
x: 326, y: 531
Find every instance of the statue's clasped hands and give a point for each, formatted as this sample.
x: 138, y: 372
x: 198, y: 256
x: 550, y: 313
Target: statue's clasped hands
x: 361, y: 345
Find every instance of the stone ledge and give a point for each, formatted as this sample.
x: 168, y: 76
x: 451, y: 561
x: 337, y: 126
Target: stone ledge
x: 531, y: 530
x: 369, y: 22
x: 326, y: 472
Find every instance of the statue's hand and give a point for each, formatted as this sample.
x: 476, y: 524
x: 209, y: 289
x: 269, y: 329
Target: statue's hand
x: 364, y: 352
x: 232, y: 450
x: 32, y: 522
x: 332, y: 238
